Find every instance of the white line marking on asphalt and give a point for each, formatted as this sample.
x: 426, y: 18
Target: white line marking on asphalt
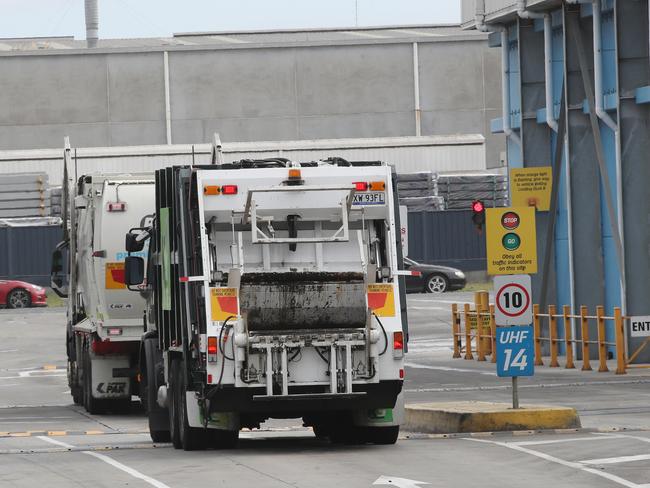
x: 445, y: 368
x: 627, y: 436
x: 9, y: 384
x: 112, y: 462
x: 616, y: 460
x: 8, y: 350
x: 557, y: 441
x: 3, y: 422
x: 568, y: 464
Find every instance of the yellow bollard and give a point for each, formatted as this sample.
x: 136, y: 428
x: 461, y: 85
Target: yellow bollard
x: 568, y: 339
x: 468, y: 333
x: 479, y: 327
x: 537, y: 333
x: 620, y: 341
x: 552, y: 333
x: 455, y: 330
x: 493, y: 334
x: 584, y: 327
x: 602, y: 347
x: 485, y: 308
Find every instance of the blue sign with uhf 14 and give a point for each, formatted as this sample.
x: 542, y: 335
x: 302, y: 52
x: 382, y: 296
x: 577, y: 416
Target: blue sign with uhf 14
x: 515, y: 351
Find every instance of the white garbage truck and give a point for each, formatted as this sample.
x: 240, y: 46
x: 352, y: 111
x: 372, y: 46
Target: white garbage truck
x: 274, y: 291
x: 105, y: 321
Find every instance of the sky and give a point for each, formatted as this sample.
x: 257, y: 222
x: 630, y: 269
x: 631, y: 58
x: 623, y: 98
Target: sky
x: 161, y: 18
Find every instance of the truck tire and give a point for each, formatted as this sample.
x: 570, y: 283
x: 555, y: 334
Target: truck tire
x: 158, y: 417
x: 192, y: 438
x: 172, y: 392
x: 73, y: 383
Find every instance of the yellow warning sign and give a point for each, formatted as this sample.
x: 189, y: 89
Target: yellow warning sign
x: 511, y: 240
x: 531, y: 187
x: 224, y: 303
x: 381, y: 299
x: 115, y: 276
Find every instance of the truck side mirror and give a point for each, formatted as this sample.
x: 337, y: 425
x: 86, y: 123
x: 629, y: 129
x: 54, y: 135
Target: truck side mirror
x: 132, y: 244
x: 133, y: 271
x: 58, y: 279
x: 57, y: 262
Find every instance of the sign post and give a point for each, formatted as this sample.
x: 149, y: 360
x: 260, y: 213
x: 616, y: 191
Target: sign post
x: 515, y: 355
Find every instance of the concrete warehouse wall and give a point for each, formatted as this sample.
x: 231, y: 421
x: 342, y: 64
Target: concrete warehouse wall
x: 116, y: 97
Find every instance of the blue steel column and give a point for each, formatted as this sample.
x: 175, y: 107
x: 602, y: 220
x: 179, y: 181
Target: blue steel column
x: 609, y: 95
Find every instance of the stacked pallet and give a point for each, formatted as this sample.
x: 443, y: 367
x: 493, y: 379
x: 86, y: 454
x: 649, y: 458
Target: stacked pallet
x: 460, y: 190
x: 429, y: 191
x: 419, y: 192
x: 24, y: 195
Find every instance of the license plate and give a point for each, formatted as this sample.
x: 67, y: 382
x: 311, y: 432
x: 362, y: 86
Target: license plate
x: 371, y: 198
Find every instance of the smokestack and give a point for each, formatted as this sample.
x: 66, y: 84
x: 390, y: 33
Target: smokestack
x: 92, y: 23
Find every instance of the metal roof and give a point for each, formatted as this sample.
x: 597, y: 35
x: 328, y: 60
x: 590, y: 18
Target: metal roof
x: 245, y: 39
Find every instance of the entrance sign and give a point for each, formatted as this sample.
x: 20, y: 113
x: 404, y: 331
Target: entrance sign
x: 531, y: 187
x: 640, y: 326
x: 511, y: 241
x: 513, y: 303
x: 515, y: 356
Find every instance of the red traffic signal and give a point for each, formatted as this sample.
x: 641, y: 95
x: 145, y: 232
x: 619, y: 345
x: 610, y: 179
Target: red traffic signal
x: 478, y: 214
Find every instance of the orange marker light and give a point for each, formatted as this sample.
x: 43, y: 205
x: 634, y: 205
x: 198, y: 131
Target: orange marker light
x: 377, y: 186
x: 211, y: 190
x: 294, y: 174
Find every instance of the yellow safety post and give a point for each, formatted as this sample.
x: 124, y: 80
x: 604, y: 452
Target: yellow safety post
x: 479, y: 327
x: 552, y: 332
x: 584, y: 326
x: 620, y: 341
x: 485, y: 308
x: 455, y: 329
x: 468, y: 333
x: 568, y: 339
x: 602, y: 347
x: 538, y: 340
x: 493, y: 334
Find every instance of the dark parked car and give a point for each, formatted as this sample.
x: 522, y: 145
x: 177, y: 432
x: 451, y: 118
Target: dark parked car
x: 433, y: 278
x: 19, y: 294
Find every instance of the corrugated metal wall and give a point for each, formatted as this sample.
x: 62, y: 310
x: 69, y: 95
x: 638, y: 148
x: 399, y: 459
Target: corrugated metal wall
x: 446, y: 238
x: 408, y: 154
x: 26, y: 253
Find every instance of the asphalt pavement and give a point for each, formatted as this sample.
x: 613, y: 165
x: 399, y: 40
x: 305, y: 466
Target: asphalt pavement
x: 47, y: 441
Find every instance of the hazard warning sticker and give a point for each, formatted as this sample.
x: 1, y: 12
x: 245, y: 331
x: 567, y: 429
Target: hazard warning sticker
x: 115, y: 276
x: 224, y: 303
x: 381, y: 300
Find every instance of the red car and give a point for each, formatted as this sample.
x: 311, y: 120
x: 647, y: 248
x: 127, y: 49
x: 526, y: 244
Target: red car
x: 19, y: 294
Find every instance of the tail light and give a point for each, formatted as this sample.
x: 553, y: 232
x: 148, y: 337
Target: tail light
x: 212, y: 349
x: 398, y: 344
x: 360, y: 186
x: 229, y: 189
x: 116, y: 206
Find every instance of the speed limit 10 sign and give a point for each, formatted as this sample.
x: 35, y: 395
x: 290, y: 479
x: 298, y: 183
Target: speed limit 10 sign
x: 513, y: 300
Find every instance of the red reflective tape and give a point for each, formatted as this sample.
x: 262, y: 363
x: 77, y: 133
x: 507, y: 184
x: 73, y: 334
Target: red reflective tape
x: 184, y: 279
x: 416, y: 273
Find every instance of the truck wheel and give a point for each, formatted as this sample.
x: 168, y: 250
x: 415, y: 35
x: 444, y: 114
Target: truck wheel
x: 192, y: 438
x: 75, y: 390
x: 172, y: 388
x: 93, y: 405
x: 151, y: 378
